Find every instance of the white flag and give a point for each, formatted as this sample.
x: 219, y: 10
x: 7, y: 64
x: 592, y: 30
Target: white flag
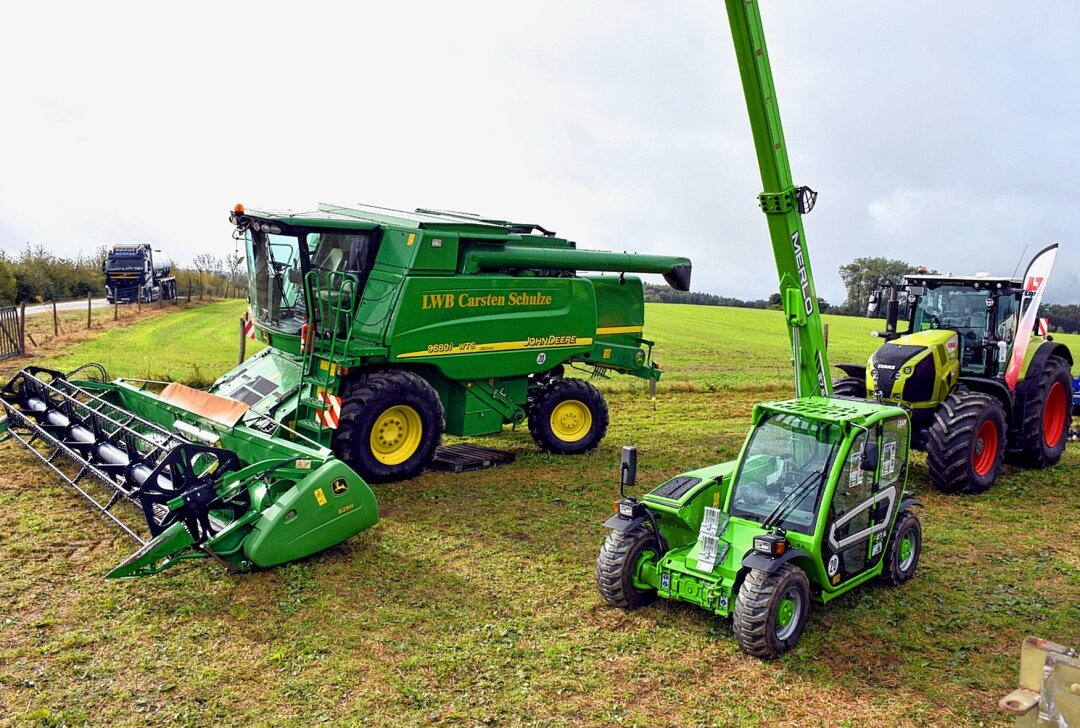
x: 1035, y: 278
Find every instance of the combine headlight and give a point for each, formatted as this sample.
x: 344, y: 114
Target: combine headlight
x: 771, y: 544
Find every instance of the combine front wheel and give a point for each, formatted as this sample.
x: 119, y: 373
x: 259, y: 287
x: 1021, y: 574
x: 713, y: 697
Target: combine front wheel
x: 965, y: 444
x: 391, y: 423
x: 567, y: 416
x: 1048, y: 415
x: 770, y: 611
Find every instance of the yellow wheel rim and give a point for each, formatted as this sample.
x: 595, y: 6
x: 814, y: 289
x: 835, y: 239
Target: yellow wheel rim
x: 571, y: 420
x: 396, y: 435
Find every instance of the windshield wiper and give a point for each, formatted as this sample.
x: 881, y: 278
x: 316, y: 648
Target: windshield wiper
x: 801, y: 490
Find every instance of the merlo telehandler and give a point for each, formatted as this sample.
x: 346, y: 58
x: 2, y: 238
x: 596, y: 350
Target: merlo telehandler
x: 814, y: 505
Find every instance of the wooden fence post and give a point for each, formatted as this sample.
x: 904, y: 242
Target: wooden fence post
x: 22, y: 329
x: 55, y: 320
x: 825, y: 330
x: 116, y: 306
x: 138, y: 298
x: 89, y: 310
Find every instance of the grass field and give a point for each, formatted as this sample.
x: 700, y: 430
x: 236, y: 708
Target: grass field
x: 472, y: 602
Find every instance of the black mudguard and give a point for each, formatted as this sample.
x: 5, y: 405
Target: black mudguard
x: 908, y: 501
x: 618, y: 523
x: 761, y: 562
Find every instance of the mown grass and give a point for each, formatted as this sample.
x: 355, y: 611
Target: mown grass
x: 473, y: 602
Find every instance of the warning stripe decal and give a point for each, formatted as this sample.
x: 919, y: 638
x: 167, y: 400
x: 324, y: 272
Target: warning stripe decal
x: 496, y: 346
x: 331, y: 416
x: 620, y: 330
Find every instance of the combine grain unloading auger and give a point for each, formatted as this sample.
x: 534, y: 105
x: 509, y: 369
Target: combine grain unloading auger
x: 210, y: 477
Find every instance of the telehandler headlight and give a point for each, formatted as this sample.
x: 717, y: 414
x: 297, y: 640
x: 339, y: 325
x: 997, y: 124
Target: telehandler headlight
x: 628, y: 508
x: 770, y: 544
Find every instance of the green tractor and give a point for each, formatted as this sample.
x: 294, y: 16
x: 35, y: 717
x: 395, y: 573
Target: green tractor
x: 814, y: 506
x: 950, y: 370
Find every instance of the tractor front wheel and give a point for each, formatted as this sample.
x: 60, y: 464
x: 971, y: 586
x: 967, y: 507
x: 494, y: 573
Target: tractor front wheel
x: 849, y: 387
x: 617, y: 565
x: 966, y: 442
x: 770, y: 611
x: 391, y: 423
x: 567, y: 416
x: 1048, y: 415
x: 905, y: 545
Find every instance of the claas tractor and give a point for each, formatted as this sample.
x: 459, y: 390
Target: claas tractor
x: 384, y: 330
x: 815, y: 504
x: 953, y: 370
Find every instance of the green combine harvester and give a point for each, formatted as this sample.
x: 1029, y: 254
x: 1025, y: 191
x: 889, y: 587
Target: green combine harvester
x: 815, y: 504
x: 384, y: 329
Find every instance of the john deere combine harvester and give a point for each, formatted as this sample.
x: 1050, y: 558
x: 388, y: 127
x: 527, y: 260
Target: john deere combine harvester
x: 814, y: 506
x: 385, y: 329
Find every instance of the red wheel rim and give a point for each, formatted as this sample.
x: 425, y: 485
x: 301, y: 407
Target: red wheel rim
x: 984, y: 451
x: 1054, y: 415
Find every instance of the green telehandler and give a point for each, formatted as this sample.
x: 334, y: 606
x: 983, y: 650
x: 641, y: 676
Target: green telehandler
x: 815, y: 504
x: 978, y: 385
x: 384, y: 330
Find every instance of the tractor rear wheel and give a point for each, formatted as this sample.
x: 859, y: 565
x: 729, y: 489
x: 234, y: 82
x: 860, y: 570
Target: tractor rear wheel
x: 1048, y: 415
x: 849, y: 387
x: 391, y: 423
x: 770, y: 611
x: 905, y: 546
x: 567, y: 416
x: 617, y: 563
x: 966, y: 442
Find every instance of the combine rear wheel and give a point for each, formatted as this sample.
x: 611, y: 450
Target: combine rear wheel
x: 770, y: 611
x: 849, y: 387
x: 617, y: 563
x: 966, y: 442
x: 391, y: 423
x: 567, y: 416
x: 1048, y: 415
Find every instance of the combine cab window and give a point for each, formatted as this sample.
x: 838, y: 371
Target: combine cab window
x: 276, y: 281
x: 788, y: 459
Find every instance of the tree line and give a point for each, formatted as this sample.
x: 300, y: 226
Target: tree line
x: 35, y: 275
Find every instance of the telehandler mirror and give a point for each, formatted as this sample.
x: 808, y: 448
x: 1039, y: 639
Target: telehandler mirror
x: 628, y: 470
x: 869, y: 459
x: 873, y: 305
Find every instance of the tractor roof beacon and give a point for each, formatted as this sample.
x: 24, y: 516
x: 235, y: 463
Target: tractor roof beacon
x: 949, y: 370
x: 814, y: 505
x: 385, y: 329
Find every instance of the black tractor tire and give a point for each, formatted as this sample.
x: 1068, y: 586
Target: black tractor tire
x: 577, y: 427
x: 1048, y: 415
x: 849, y: 387
x: 381, y: 398
x: 957, y: 455
x: 900, y: 562
x: 755, y: 621
x: 615, y: 567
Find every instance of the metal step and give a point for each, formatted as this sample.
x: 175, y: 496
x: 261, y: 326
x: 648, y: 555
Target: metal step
x: 462, y: 457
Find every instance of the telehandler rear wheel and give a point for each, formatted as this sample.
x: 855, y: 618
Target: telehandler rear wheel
x: 905, y: 546
x: 567, y: 416
x: 391, y: 423
x: 617, y: 563
x: 1048, y: 415
x: 770, y: 611
x: 966, y: 442
x: 849, y: 387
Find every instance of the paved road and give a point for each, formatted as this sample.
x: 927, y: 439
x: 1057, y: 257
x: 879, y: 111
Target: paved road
x: 65, y: 306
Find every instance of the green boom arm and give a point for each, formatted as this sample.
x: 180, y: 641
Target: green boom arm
x: 782, y: 203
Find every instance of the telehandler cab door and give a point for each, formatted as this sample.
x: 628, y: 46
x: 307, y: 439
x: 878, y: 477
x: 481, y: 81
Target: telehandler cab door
x: 865, y: 500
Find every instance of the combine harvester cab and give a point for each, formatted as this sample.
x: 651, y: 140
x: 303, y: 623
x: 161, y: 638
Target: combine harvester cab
x: 386, y: 329
x: 210, y: 477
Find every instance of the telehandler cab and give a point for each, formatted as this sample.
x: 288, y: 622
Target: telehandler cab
x: 814, y: 505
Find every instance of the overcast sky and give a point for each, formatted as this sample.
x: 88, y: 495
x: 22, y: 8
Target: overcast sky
x: 945, y: 134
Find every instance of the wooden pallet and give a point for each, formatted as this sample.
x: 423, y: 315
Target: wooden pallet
x: 462, y: 457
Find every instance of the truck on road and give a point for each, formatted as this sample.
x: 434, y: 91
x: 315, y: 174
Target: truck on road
x: 138, y: 272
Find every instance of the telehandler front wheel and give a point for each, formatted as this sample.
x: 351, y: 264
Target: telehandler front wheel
x: 966, y: 442
x: 770, y: 611
x: 567, y: 416
x: 617, y: 563
x: 905, y: 546
x: 391, y: 423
